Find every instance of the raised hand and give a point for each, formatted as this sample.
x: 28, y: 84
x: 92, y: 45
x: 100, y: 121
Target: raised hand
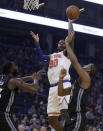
x: 82, y: 10
x: 34, y: 76
x: 63, y: 73
x: 38, y: 74
x: 35, y: 37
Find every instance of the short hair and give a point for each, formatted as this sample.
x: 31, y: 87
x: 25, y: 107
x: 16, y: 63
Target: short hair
x: 94, y: 71
x: 7, y: 67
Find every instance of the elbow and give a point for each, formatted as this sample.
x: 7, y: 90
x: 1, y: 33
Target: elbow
x: 87, y: 84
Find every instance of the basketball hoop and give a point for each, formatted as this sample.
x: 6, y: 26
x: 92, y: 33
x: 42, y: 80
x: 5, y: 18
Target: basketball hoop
x: 32, y: 4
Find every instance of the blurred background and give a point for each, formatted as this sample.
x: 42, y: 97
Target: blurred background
x: 17, y: 45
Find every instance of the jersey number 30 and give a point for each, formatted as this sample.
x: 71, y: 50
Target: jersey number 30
x: 53, y: 63
x: 0, y: 92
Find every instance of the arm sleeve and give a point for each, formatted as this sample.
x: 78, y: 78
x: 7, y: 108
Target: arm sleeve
x: 40, y: 53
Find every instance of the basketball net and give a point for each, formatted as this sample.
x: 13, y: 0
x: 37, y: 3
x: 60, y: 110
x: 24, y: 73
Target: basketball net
x: 32, y: 4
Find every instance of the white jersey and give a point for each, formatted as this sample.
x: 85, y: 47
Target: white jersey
x: 57, y: 62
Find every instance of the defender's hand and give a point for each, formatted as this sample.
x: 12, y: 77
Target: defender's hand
x: 63, y: 73
x: 69, y: 38
x: 39, y: 73
x: 35, y: 37
x: 34, y: 76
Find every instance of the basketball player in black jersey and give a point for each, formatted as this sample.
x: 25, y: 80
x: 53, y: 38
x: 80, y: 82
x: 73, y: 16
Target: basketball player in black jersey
x: 9, y: 85
x: 78, y: 92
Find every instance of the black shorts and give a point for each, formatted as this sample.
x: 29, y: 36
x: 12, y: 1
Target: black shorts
x: 76, y: 122
x: 6, y: 123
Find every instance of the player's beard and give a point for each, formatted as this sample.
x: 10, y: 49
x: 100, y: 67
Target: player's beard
x: 15, y: 72
x: 60, y: 49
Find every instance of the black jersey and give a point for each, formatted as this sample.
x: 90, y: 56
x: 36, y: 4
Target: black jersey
x: 7, y: 96
x: 78, y: 99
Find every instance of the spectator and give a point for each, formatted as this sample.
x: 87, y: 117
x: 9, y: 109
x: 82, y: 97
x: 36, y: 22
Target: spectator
x: 43, y: 128
x: 94, y: 129
x: 32, y: 110
x: 21, y: 127
x: 35, y: 129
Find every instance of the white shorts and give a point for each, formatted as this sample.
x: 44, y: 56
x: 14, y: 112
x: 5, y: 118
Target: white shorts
x: 56, y: 103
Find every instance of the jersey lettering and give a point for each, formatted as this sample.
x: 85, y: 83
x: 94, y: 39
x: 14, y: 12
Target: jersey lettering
x: 53, y: 63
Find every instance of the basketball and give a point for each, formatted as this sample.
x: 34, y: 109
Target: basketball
x: 72, y: 12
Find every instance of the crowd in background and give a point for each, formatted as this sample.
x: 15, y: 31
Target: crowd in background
x: 30, y: 110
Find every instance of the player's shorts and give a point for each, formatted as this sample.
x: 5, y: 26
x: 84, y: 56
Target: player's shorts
x: 76, y: 122
x: 6, y: 123
x: 56, y: 103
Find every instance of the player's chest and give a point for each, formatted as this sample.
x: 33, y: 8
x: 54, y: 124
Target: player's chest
x: 57, y: 61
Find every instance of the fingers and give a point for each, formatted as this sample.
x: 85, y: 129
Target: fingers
x: 34, y: 76
x: 37, y: 36
x: 41, y: 72
x: 63, y: 71
x: 72, y: 20
x: 34, y: 35
x: 82, y: 10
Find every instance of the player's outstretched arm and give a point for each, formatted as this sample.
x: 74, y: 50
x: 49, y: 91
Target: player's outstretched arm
x: 15, y: 83
x: 61, y: 90
x: 70, y: 29
x: 33, y: 76
x: 85, y: 78
x: 38, y: 49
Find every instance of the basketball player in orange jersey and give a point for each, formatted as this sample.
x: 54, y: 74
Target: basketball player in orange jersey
x: 57, y: 61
